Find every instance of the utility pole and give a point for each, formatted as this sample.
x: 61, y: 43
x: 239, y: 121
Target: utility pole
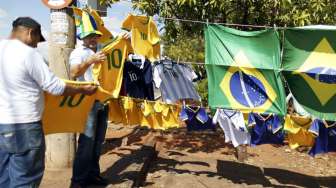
x: 61, y: 147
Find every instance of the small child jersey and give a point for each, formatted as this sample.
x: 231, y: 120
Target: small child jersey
x: 149, y: 117
x: 138, y: 82
x: 325, y: 140
x: 233, y: 124
x: 297, y: 129
x: 167, y: 115
x: 266, y: 129
x: 196, y: 119
x: 145, y: 36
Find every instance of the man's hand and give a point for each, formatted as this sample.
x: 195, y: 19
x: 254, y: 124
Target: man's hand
x: 98, y: 57
x: 126, y: 35
x: 89, y: 89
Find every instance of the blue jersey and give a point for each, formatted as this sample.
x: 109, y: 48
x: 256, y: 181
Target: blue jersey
x: 266, y: 129
x: 196, y: 118
x: 325, y: 140
x: 138, y: 81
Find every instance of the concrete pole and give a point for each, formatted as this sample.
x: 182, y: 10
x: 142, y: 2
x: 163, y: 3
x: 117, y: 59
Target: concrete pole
x: 61, y: 147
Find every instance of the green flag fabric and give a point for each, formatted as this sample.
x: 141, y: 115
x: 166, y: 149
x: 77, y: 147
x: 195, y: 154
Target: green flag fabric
x: 309, y: 66
x: 243, y: 70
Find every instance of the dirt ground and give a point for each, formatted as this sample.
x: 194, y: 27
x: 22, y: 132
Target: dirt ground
x: 203, y: 160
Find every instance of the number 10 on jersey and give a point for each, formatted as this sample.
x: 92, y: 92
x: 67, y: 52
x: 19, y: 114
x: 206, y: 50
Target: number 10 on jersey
x: 114, y: 59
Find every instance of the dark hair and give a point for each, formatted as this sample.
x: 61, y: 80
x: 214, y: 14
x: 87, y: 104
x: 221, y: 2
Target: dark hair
x: 29, y: 23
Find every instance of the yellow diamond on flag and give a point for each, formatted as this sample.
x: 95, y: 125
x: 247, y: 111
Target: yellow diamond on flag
x: 321, y: 61
x: 246, y: 88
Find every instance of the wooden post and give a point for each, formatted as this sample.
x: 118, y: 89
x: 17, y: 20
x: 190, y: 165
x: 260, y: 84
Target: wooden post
x: 60, y: 147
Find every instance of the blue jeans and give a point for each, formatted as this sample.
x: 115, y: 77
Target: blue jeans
x: 22, y: 150
x: 86, y: 163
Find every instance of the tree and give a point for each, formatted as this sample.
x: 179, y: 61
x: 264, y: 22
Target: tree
x: 259, y: 12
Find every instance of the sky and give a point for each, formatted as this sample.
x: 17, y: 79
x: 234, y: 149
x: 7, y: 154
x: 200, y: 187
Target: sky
x: 10, y: 10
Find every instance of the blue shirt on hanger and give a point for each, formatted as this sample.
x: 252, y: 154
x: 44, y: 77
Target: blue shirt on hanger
x: 196, y: 118
x: 138, y: 81
x: 325, y: 140
x: 266, y: 129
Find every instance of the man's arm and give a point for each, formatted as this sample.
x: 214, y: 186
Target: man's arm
x: 79, y: 67
x: 47, y: 80
x: 71, y: 89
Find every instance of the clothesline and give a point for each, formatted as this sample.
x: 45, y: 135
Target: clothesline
x: 207, y: 22
x: 143, y: 100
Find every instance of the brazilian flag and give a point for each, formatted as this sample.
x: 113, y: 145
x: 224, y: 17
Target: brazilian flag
x: 309, y: 65
x: 243, y: 70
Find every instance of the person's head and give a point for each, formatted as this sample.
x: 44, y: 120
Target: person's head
x: 91, y: 41
x: 27, y: 30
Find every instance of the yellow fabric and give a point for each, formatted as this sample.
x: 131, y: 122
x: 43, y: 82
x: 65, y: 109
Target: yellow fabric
x: 171, y: 120
x: 106, y: 34
x: 298, y: 134
x: 77, y: 14
x: 115, y: 113
x: 66, y: 113
x: 109, y: 74
x: 145, y: 36
x: 131, y: 111
x: 149, y: 118
x: 167, y: 115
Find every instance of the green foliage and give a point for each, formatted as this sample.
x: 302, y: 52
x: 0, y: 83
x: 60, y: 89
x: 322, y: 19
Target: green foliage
x: 260, y: 12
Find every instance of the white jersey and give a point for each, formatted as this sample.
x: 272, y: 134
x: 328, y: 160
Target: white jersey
x: 233, y: 124
x: 175, y: 82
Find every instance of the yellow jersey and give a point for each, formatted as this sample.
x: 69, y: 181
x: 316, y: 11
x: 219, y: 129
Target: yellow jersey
x: 131, y: 111
x: 298, y: 134
x: 145, y: 36
x: 150, y: 118
x: 66, y: 113
x: 115, y: 112
x: 167, y: 115
x: 109, y: 74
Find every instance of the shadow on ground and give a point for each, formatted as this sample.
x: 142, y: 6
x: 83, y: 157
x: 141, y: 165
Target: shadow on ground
x: 235, y: 172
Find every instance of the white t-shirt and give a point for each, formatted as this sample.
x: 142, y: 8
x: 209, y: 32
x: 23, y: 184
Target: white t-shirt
x: 79, y: 55
x: 23, y: 77
x: 233, y: 124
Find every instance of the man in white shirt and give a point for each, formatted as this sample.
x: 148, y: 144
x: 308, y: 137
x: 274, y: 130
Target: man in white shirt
x: 24, y: 76
x: 86, y: 170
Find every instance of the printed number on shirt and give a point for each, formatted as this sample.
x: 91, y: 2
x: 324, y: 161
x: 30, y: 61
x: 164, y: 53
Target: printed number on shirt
x: 133, y: 77
x: 70, y: 102
x: 114, y: 59
x: 143, y: 36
